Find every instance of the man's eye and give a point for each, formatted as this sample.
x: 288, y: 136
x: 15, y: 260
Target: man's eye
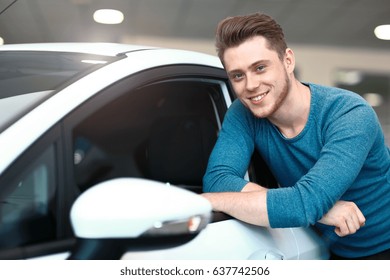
x: 236, y: 76
x: 260, y: 68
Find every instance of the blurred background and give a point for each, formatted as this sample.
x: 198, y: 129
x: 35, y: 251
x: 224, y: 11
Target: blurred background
x: 336, y: 42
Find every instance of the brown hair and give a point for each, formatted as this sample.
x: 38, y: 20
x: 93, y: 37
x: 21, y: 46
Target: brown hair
x: 233, y: 31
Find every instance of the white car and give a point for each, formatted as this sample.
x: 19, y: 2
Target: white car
x: 123, y: 133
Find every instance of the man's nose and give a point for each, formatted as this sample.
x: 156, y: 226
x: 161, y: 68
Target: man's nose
x: 252, y: 82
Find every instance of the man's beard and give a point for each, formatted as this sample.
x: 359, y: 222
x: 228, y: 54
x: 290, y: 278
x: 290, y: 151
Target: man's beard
x: 279, y: 102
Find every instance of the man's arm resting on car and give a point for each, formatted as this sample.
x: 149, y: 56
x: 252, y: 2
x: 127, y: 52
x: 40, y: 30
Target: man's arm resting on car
x: 250, y: 205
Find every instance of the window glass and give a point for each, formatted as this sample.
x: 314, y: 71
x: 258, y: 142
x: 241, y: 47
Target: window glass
x: 26, y: 213
x: 24, y: 72
x: 163, y: 131
x: 27, y: 78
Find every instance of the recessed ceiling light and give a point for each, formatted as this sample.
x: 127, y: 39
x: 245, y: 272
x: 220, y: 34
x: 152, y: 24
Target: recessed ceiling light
x: 383, y: 32
x: 108, y: 16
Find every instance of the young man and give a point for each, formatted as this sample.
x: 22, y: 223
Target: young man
x: 324, y: 145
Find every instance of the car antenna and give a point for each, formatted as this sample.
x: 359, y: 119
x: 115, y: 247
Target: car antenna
x: 9, y: 6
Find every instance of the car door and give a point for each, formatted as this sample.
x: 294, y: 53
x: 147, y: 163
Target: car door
x: 162, y: 124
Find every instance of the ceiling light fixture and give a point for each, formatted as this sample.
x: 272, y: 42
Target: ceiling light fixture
x: 383, y: 32
x: 108, y: 16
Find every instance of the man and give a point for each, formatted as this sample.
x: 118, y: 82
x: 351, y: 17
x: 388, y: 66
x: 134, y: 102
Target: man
x: 324, y: 145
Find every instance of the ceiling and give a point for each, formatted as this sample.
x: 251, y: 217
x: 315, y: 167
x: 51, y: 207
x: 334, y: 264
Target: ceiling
x: 345, y: 23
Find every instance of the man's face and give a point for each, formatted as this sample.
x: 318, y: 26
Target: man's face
x: 258, y: 76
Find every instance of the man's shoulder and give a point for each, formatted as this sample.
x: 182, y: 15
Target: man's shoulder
x: 331, y: 91
x: 332, y: 104
x: 238, y: 109
x: 334, y: 97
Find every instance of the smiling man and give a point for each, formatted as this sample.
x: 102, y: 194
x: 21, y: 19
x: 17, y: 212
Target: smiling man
x: 324, y: 146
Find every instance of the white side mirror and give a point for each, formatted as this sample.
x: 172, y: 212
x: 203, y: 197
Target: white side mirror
x: 137, y: 213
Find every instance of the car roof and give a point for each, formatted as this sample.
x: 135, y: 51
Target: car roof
x: 108, y: 49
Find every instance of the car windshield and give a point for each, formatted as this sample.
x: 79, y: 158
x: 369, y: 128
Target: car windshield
x: 27, y: 78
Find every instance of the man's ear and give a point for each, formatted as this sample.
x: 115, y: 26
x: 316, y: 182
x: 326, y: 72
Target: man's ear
x: 289, y: 60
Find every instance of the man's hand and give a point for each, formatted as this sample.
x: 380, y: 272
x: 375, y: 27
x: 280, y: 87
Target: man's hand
x: 345, y: 216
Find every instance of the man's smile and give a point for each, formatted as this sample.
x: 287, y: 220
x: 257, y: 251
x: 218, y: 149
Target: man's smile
x: 258, y: 98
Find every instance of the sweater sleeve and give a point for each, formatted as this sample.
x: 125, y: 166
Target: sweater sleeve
x: 348, y: 138
x: 232, y: 152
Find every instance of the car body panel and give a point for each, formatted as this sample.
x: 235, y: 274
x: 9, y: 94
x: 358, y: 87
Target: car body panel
x: 233, y: 239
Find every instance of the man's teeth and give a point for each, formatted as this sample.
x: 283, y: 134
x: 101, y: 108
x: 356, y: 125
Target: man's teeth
x: 259, y: 97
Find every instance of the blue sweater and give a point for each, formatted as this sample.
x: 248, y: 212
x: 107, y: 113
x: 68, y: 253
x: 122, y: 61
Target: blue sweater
x: 340, y: 155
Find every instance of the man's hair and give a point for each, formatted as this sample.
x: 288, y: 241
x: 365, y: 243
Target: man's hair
x: 233, y: 31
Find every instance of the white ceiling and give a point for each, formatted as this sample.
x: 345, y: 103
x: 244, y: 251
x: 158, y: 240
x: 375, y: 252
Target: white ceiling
x: 346, y: 23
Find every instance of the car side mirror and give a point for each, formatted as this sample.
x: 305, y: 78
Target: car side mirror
x: 127, y: 214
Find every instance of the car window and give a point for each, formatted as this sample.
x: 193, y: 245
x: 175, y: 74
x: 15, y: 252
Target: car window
x: 27, y: 78
x: 164, y: 131
x: 23, y: 72
x: 26, y: 201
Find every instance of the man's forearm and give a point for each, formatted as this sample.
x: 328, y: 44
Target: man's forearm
x: 249, y: 205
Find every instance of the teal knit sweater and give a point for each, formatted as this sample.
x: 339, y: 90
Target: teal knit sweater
x: 340, y: 155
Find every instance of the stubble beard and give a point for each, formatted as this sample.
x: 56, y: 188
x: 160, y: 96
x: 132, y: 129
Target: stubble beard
x: 278, y: 103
